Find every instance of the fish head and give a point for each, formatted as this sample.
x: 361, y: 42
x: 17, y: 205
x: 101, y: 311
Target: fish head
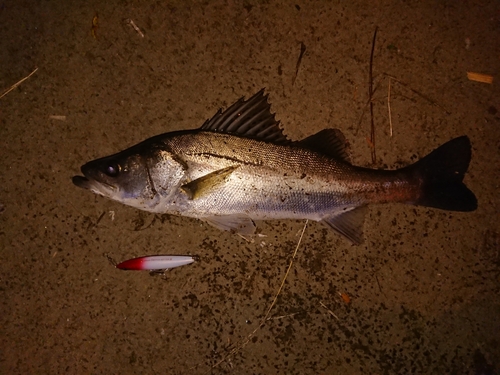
x: 121, y: 177
x: 135, y: 177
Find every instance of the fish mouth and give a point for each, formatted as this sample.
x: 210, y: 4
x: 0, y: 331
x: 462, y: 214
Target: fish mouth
x: 91, y: 181
x: 81, y: 182
x: 84, y: 181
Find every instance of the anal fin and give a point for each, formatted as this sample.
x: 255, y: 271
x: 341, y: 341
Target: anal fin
x: 348, y: 223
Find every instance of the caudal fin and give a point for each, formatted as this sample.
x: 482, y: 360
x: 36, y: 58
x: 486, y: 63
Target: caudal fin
x: 441, y: 174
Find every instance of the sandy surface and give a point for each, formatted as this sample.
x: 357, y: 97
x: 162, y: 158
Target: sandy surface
x: 423, y: 288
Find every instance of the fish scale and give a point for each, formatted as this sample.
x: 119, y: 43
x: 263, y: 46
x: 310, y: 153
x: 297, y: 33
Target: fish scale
x: 280, y: 176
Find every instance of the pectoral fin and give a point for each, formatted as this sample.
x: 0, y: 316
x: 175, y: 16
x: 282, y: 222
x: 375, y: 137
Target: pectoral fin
x: 348, y: 223
x: 207, y: 183
x: 240, y: 223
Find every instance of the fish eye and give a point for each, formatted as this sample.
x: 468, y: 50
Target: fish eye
x: 112, y: 169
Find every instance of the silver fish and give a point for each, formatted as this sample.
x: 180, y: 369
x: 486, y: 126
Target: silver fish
x: 240, y: 167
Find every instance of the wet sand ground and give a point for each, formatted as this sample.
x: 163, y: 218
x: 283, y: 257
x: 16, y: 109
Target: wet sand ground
x: 423, y: 288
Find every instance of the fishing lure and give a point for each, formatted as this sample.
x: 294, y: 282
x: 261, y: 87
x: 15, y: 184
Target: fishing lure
x: 155, y: 262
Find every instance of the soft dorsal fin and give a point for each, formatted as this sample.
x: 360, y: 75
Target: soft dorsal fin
x: 248, y: 118
x: 329, y: 142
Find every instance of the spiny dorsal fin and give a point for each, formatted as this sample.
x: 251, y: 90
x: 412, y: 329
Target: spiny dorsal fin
x: 330, y: 142
x: 248, y: 118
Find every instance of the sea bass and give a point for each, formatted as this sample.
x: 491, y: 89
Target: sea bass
x: 240, y: 167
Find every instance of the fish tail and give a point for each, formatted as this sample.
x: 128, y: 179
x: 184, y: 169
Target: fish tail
x: 441, y: 173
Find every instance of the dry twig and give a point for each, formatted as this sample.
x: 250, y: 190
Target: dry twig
x: 282, y: 316
x: 389, y: 106
x: 18, y: 83
x: 479, y: 77
x: 57, y: 117
x: 425, y: 97
x: 329, y: 311
x: 370, y: 95
x: 135, y: 27
x: 302, y: 51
